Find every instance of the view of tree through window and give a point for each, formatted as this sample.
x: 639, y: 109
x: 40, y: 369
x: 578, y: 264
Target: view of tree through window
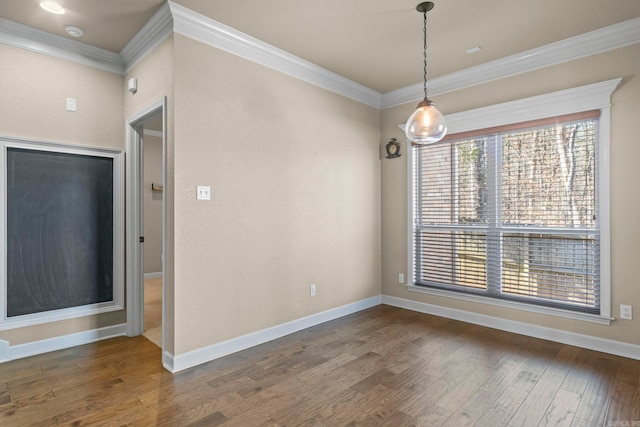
x: 511, y: 214
x: 548, y: 176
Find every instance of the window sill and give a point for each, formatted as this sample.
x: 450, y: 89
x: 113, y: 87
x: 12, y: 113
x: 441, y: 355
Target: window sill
x: 584, y: 317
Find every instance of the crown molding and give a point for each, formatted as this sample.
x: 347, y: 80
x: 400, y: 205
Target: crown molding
x: 206, y: 30
x: 158, y: 28
x: 608, y: 38
x: 173, y: 17
x: 25, y: 37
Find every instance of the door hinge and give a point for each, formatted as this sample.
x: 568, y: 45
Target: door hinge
x: 141, y: 239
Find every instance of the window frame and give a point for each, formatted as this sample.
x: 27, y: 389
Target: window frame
x: 595, y: 96
x: 117, y: 302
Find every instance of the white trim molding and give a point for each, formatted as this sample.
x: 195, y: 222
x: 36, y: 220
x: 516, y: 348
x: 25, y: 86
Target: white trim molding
x: 206, y: 30
x: 564, y: 337
x: 19, y: 351
x: 187, y: 360
x: 604, y: 39
x: 172, y: 17
x: 595, y: 96
x: 153, y: 275
x: 158, y: 28
x: 118, y: 301
x: 547, y: 311
x: 134, y: 272
x: 38, y: 41
x: 154, y: 133
x: 5, y: 351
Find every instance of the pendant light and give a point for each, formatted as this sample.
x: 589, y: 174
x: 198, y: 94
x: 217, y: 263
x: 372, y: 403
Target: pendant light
x: 426, y: 125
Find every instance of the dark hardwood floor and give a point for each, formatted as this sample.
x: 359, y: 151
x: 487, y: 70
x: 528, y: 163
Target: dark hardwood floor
x: 381, y: 367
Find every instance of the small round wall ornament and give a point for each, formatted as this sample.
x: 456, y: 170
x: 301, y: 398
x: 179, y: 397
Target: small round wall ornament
x: 393, y: 149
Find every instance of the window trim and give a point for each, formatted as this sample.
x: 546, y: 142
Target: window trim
x: 117, y: 302
x: 595, y: 96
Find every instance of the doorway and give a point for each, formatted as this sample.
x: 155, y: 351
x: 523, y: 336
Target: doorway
x: 152, y: 198
x: 146, y: 223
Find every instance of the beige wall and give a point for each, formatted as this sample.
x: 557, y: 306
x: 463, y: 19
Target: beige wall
x: 294, y: 172
x: 33, y: 89
x: 297, y: 207
x: 625, y: 175
x: 152, y: 204
x: 155, y: 79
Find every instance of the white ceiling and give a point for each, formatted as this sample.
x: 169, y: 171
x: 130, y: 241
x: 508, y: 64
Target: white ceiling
x: 377, y: 43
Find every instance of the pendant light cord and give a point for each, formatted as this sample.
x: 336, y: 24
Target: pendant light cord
x: 424, y: 33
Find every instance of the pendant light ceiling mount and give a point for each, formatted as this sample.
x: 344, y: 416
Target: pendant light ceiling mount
x: 426, y: 125
x: 425, y: 7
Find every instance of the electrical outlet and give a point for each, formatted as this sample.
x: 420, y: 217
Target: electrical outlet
x: 626, y: 312
x: 312, y: 290
x: 401, y: 278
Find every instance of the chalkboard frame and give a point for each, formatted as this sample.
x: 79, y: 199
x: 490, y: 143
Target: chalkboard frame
x: 117, y: 301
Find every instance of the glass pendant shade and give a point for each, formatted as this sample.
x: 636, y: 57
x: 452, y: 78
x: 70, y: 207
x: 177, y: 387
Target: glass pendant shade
x: 426, y: 125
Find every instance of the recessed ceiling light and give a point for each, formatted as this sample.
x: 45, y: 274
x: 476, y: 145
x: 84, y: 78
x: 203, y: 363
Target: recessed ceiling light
x: 474, y: 49
x: 73, y: 31
x: 53, y: 7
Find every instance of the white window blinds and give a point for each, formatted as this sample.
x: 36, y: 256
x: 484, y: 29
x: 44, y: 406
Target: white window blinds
x: 511, y: 213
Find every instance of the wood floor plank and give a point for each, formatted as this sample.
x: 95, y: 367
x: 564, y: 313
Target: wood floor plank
x: 433, y: 416
x: 596, y: 398
x: 625, y: 394
x: 503, y: 408
x: 535, y: 405
x: 576, y: 381
x: 562, y: 409
x: 399, y: 419
x: 69, y: 393
x: 424, y: 392
x: 303, y: 412
x: 360, y: 405
x: 383, y: 366
x: 373, y: 380
x: 486, y: 396
x: 386, y: 404
x: 465, y: 388
x: 319, y: 372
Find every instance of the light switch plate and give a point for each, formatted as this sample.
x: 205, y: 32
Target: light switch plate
x: 203, y: 192
x: 71, y: 104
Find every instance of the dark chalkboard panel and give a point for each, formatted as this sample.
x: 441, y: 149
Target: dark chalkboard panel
x: 59, y: 230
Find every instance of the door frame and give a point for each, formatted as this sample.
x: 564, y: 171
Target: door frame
x: 134, y: 219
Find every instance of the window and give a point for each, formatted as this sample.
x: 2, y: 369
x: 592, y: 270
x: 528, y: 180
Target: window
x: 513, y: 211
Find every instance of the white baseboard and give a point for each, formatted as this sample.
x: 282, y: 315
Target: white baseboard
x: 618, y: 348
x: 196, y: 357
x: 153, y: 275
x: 5, y: 349
x: 167, y: 361
x: 9, y: 352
